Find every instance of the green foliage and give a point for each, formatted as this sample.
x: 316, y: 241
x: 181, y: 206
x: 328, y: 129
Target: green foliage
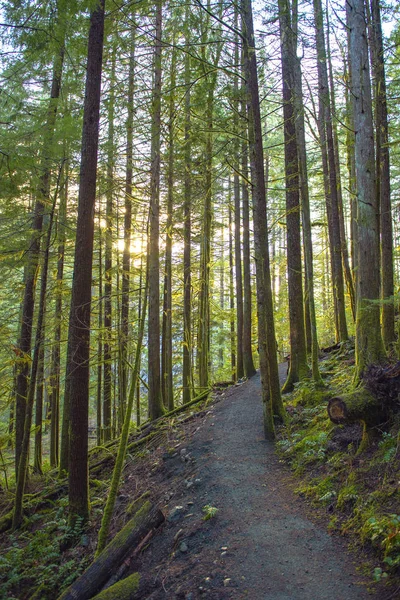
x: 362, y: 494
x: 384, y: 532
x: 388, y: 447
x: 308, y: 394
x: 34, y: 559
x: 209, y: 512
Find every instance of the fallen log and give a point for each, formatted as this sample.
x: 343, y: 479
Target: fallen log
x: 359, y: 405
x: 98, y: 573
x: 122, y: 590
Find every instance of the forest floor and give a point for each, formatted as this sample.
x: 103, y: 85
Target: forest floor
x: 260, y: 540
x: 239, y: 524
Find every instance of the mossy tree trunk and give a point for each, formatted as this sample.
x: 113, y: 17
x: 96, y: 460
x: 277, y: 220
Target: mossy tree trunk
x: 369, y: 344
x: 298, y: 368
x: 271, y: 396
x: 383, y: 176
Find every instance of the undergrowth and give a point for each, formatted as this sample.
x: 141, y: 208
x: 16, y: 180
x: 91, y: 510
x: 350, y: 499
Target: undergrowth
x: 33, y: 565
x: 360, y: 492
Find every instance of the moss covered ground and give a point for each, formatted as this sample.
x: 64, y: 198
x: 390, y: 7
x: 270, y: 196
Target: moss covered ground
x: 360, y: 491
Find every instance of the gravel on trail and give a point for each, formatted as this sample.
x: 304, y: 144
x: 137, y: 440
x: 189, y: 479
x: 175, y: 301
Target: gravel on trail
x: 261, y: 544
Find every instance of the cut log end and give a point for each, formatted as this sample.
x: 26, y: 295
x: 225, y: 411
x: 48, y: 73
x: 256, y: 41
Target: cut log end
x: 337, y: 410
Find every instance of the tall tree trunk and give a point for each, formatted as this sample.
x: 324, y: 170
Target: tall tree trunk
x: 236, y: 194
x: 37, y: 352
x: 187, y: 291
x: 306, y: 218
x: 272, y: 401
x: 79, y: 324
x: 231, y: 289
x: 37, y: 460
x: 203, y: 343
x: 369, y: 343
x: 99, y: 390
x: 298, y: 368
x: 123, y: 444
x: 166, y: 371
x: 31, y: 271
x: 383, y: 177
x: 330, y: 174
x: 345, y: 253
x: 54, y: 378
x: 155, y: 400
x: 107, y: 344
x: 248, y: 363
x: 126, y: 257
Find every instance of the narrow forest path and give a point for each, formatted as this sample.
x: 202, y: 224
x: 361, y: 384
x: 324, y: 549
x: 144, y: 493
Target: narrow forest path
x: 261, y: 544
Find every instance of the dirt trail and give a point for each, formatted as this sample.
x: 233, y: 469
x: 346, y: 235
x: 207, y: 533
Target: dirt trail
x: 261, y: 544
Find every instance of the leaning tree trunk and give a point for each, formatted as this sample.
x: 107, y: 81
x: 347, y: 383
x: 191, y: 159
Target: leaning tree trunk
x: 369, y: 344
x: 42, y: 197
x: 123, y: 443
x: 24, y: 455
x: 79, y: 325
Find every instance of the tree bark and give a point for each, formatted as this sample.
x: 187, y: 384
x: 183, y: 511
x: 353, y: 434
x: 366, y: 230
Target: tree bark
x: 54, y: 378
x: 187, y: 291
x: 24, y: 455
x: 126, y: 257
x: 306, y: 219
x: 237, y: 213
x: 383, y: 178
x: 42, y: 197
x: 298, y: 368
x: 107, y: 339
x: 248, y: 362
x: 330, y: 174
x: 272, y: 401
x: 79, y: 325
x: 369, y: 344
x: 155, y: 400
x: 166, y: 363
